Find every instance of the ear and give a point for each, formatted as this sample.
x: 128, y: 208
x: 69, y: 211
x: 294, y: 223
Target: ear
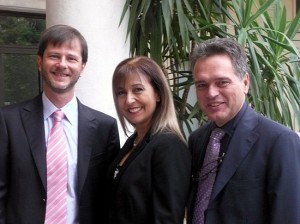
x: 157, y: 97
x: 246, y: 83
x: 39, y: 62
x: 82, y: 68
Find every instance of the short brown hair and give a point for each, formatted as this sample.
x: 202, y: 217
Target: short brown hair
x: 59, y: 34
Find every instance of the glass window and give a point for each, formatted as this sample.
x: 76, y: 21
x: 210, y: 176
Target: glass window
x: 19, y: 36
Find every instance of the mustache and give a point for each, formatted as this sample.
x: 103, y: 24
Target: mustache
x: 61, y: 71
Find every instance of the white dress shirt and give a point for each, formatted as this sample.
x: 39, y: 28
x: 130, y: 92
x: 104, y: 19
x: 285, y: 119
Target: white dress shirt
x: 70, y: 123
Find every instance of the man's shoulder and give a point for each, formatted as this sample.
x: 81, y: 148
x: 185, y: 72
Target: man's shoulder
x: 14, y: 107
x: 84, y: 109
x: 270, y: 129
x: 205, y: 127
x: 269, y: 124
x: 199, y: 133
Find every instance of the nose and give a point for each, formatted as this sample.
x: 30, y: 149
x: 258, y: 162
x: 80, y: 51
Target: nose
x: 130, y: 98
x: 62, y: 64
x: 212, y: 91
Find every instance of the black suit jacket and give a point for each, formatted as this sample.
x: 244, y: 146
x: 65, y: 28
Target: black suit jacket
x: 23, y: 162
x: 259, y: 179
x: 152, y: 186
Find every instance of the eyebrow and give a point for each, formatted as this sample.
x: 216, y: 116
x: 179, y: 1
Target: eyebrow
x: 217, y: 79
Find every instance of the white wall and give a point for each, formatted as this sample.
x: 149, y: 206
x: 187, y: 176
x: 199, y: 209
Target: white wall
x: 98, y: 21
x: 34, y: 6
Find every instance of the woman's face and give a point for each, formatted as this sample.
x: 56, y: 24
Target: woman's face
x: 137, y: 100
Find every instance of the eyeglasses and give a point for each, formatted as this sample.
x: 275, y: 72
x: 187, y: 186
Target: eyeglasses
x: 213, y: 168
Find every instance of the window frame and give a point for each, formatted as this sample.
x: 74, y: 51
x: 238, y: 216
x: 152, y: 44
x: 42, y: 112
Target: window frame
x: 17, y: 49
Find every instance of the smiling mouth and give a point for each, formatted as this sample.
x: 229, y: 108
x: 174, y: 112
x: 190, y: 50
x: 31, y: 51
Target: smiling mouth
x: 134, y: 110
x: 60, y: 74
x: 214, y: 104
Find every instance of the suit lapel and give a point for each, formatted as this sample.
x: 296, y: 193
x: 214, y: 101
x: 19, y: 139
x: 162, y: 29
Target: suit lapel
x: 125, y: 149
x: 86, y: 133
x: 114, y: 181
x: 241, y: 143
x: 200, y: 143
x: 32, y: 118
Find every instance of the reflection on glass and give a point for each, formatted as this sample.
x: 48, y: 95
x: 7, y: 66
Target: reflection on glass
x: 19, y: 37
x: 21, y: 80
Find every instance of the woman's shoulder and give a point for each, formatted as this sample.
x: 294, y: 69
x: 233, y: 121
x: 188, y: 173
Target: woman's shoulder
x: 168, y: 146
x: 166, y: 141
x: 166, y: 136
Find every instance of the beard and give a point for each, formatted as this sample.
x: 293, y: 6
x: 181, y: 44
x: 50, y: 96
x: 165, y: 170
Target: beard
x: 56, y: 87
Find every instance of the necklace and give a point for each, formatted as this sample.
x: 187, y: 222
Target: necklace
x: 136, y: 141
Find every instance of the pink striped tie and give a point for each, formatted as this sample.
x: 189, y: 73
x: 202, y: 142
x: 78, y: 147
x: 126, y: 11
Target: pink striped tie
x: 56, y: 208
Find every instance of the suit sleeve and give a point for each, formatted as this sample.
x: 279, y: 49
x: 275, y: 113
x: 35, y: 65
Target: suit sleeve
x: 3, y: 166
x: 171, y: 175
x: 284, y: 180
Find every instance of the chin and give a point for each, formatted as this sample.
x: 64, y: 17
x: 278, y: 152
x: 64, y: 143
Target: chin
x: 220, y: 121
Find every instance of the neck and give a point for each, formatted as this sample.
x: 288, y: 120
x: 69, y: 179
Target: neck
x: 59, y: 99
x: 139, y: 136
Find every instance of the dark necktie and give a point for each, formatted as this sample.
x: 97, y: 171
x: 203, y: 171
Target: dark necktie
x: 207, y: 175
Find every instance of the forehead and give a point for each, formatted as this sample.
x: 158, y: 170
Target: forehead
x: 213, y: 66
x: 133, y: 78
x: 73, y: 44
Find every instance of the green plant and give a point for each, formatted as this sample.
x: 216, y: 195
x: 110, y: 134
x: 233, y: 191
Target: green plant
x: 162, y: 30
x: 167, y: 31
x: 273, y: 57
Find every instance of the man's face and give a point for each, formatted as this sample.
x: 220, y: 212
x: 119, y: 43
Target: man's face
x: 61, y: 66
x: 220, y: 92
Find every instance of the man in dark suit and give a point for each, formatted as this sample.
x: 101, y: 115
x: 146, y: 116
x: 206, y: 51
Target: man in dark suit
x: 92, y: 139
x: 258, y: 169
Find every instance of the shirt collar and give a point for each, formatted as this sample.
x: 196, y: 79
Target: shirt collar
x: 230, y: 126
x: 70, y: 109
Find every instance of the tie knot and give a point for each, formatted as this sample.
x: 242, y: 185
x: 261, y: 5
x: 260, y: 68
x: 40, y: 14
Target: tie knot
x: 217, y: 134
x: 58, y: 115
